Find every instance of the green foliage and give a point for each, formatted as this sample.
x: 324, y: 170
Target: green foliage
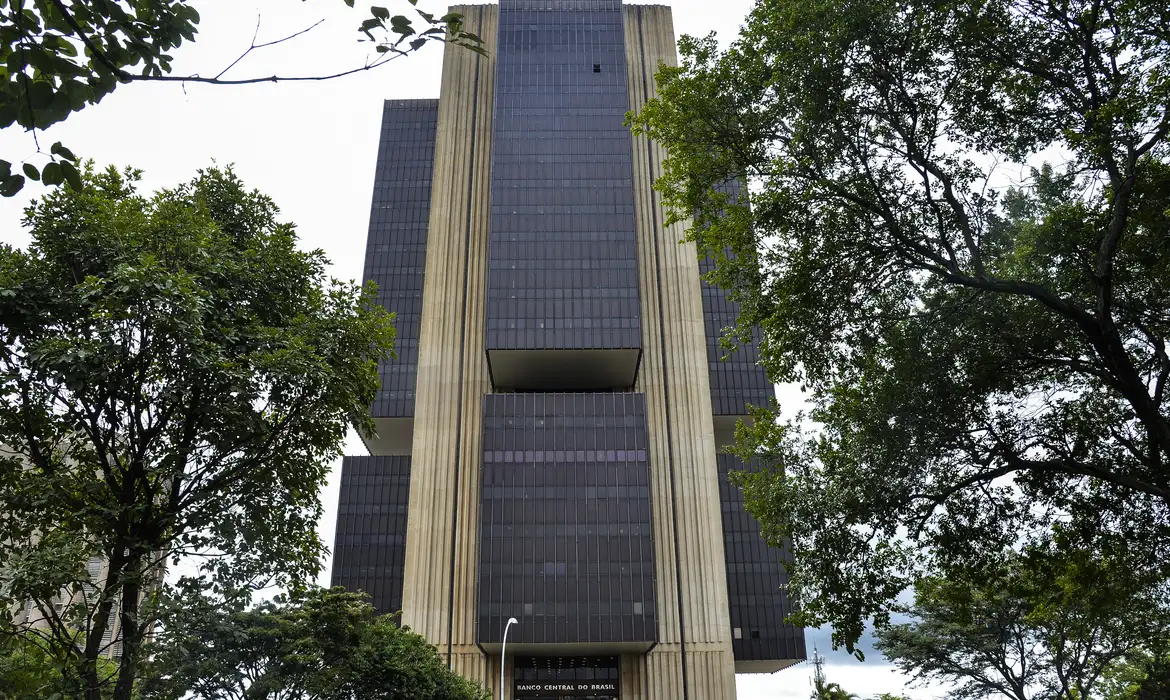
x: 320, y: 645
x: 30, y: 672
x: 1140, y: 675
x: 175, y: 379
x: 983, y: 343
x: 26, y: 672
x: 822, y: 689
x: 60, y: 57
x: 1034, y: 627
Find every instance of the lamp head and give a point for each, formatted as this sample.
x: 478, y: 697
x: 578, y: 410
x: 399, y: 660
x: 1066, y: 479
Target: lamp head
x: 513, y: 621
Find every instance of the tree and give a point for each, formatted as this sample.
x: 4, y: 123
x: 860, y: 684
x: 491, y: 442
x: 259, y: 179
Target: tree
x: 175, y: 379
x: 30, y: 672
x: 63, y: 56
x: 1140, y: 675
x: 822, y: 688
x: 1035, y: 627
x: 983, y: 343
x: 324, y: 644
x: 1156, y: 683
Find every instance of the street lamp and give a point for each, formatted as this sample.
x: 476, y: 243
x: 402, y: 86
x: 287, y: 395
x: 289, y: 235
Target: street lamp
x: 503, y: 645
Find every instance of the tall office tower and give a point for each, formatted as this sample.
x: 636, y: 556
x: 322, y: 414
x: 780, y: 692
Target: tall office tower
x: 548, y: 433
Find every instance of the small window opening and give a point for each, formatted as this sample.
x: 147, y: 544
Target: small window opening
x: 755, y: 634
x: 596, y: 67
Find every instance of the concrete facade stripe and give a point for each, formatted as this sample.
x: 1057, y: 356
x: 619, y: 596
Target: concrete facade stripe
x: 476, y: 380
x: 436, y: 518
x: 650, y: 377
x: 702, y: 585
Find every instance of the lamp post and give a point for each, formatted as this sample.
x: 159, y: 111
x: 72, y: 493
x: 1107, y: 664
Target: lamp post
x: 503, y: 645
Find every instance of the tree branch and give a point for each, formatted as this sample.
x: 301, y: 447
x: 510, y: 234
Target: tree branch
x: 266, y: 44
x: 125, y: 77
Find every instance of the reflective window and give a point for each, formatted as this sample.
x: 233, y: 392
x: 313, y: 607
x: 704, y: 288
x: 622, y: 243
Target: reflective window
x: 369, y: 551
x: 562, y: 261
x: 565, y: 532
x: 396, y: 248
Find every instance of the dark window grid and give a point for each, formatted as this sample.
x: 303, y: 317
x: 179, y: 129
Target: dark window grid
x: 531, y: 126
x: 589, y: 592
x: 756, y: 580
x: 741, y: 381
x: 372, y: 510
x: 396, y: 248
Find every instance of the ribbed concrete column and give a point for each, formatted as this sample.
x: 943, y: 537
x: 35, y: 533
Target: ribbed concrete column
x: 441, y: 540
x: 493, y: 681
x: 633, y: 676
x: 695, y: 631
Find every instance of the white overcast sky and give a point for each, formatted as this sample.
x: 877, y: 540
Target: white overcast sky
x: 312, y: 147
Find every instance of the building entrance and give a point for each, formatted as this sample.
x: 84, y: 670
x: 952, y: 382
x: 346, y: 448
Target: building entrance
x: 566, y: 678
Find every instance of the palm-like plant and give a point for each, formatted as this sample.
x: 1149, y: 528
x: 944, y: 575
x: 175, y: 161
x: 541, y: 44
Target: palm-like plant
x: 823, y: 690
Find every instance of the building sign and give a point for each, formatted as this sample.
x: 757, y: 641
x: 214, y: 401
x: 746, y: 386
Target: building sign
x: 562, y: 689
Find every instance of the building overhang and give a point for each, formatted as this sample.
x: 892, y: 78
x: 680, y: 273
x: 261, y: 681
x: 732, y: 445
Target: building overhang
x: 725, y: 429
x: 392, y: 436
x: 765, y: 665
x: 564, y: 370
x: 573, y: 649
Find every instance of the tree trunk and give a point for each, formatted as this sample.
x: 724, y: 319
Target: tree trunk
x: 130, y: 630
x: 93, y: 642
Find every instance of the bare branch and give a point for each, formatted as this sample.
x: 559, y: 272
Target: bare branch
x: 266, y: 44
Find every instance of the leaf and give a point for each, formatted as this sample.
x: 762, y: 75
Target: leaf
x: 417, y: 43
x: 31, y: 171
x: 380, y: 12
x: 5, y: 169
x: 40, y: 94
x: 52, y: 174
x: 10, y: 185
x: 72, y: 176
x: 58, y: 150
x: 349, y: 2
x: 9, y: 109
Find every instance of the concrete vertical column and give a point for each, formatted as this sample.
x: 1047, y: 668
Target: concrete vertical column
x: 493, y: 682
x: 476, y: 380
x: 695, y: 631
x: 441, y: 542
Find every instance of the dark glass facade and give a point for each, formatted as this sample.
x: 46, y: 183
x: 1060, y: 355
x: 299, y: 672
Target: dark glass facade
x: 565, y: 535
x: 756, y: 581
x: 562, y: 273
x: 370, y: 544
x: 396, y: 250
x: 737, y: 380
